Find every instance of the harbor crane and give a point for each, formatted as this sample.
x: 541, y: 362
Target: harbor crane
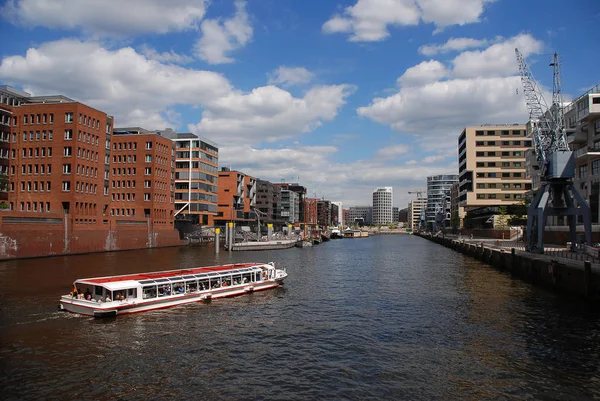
x: 422, y: 216
x: 556, y: 196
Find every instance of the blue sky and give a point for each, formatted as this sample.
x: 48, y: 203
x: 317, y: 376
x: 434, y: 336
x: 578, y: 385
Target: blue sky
x: 342, y: 95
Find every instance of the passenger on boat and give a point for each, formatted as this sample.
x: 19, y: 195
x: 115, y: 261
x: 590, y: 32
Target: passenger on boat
x: 87, y: 294
x: 107, y: 299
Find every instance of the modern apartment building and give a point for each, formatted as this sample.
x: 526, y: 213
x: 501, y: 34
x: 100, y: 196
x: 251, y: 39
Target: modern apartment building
x: 289, y: 206
x: 196, y: 177
x: 237, y: 197
x: 491, y: 168
x: 395, y: 214
x: 324, y: 213
x: 582, y: 124
x: 438, y: 195
x: 303, y: 212
x: 382, y: 205
x: 268, y: 200
x: 363, y: 215
x: 416, y: 208
x: 142, y: 172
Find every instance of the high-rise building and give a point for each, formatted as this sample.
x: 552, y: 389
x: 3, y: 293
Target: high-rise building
x: 142, y: 168
x: 416, y: 208
x: 301, y: 191
x: 196, y: 177
x: 382, y: 205
x: 438, y: 195
x: 324, y: 213
x: 237, y: 197
x: 395, y: 215
x: 582, y: 124
x: 491, y: 161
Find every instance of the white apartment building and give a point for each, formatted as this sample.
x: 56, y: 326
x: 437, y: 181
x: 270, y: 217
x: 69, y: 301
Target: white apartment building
x: 340, y: 217
x: 382, y: 205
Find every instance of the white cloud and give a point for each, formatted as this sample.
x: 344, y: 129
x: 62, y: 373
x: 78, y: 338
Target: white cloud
x: 481, y: 87
x: 143, y: 92
x: 107, y: 17
x: 270, y: 113
x: 392, y: 151
x: 165, y: 57
x: 496, y: 60
x: 452, y: 45
x: 289, y: 76
x: 368, y: 20
x: 423, y: 73
x: 219, y: 38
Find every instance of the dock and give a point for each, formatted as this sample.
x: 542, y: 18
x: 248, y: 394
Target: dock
x: 264, y: 245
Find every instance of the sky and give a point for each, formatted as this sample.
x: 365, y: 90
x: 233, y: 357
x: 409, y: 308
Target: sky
x: 341, y: 96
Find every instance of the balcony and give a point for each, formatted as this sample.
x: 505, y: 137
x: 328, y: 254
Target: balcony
x: 577, y: 136
x: 586, y: 153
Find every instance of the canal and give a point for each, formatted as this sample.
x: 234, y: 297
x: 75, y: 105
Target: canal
x: 389, y: 317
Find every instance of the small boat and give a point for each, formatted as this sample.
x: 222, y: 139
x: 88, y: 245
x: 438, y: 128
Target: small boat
x: 336, y: 234
x: 303, y: 244
x: 115, y: 295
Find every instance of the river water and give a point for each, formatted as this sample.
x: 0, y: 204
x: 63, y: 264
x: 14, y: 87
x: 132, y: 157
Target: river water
x: 388, y: 317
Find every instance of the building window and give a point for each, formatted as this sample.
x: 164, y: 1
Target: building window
x: 505, y: 164
x: 583, y: 171
x: 148, y: 145
x: 505, y: 153
x: 69, y: 117
x: 148, y: 158
x: 517, y: 154
x: 479, y: 133
x: 479, y: 154
x: 516, y: 164
x: 66, y: 185
x: 66, y: 169
x: 146, y: 197
x: 518, y: 186
x: 491, y: 164
x: 479, y: 143
x: 480, y: 196
x: 516, y: 132
x: 147, y: 183
x: 506, y: 196
x: 506, y: 186
x: 595, y: 167
x: 491, y: 143
x: 68, y: 134
x: 505, y: 143
x: 480, y: 164
x: 68, y: 151
x: 148, y: 171
x: 504, y: 132
x: 491, y: 133
x: 491, y: 196
x: 491, y: 153
x: 516, y: 143
x: 492, y: 175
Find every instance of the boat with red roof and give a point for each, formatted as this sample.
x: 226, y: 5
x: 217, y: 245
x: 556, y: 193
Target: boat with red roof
x: 132, y: 293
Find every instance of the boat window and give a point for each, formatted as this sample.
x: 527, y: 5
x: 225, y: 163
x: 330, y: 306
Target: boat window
x: 215, y: 282
x: 226, y: 281
x: 178, y: 288
x: 164, y: 289
x: 203, y: 284
x: 161, y: 280
x: 178, y: 278
x: 237, y: 279
x: 191, y: 286
x: 132, y: 293
x: 189, y: 277
x: 149, y: 291
x: 247, y: 277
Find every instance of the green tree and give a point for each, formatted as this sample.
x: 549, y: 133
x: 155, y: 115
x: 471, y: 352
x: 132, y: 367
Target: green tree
x: 502, y: 217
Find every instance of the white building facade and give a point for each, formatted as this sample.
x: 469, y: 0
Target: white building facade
x: 382, y: 205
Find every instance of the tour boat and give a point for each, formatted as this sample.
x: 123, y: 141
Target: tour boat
x: 132, y: 293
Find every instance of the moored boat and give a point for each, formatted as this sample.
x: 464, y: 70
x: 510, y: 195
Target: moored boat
x: 140, y: 292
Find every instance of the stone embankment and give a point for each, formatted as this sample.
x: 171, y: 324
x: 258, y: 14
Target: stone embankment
x: 574, y: 277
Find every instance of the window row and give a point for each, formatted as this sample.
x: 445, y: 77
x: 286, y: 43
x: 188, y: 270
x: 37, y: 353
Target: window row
x: 124, y: 171
x: 33, y: 186
x: 500, y: 196
x: 33, y: 206
x: 34, y: 152
x: 125, y: 197
x: 85, y: 120
x: 502, y: 132
x: 38, y: 118
x: 503, y: 143
x: 492, y: 185
x: 122, y: 212
x: 496, y: 175
x: 124, y: 184
x: 503, y: 164
x: 34, y: 136
x: 85, y: 208
x: 41, y: 169
x: 516, y: 153
x: 80, y: 187
x: 81, y: 153
x: 125, y: 159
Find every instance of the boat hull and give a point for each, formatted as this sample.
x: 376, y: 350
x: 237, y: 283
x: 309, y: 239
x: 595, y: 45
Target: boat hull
x: 114, y: 308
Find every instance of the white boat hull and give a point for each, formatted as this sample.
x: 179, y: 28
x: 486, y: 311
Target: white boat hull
x: 114, y: 308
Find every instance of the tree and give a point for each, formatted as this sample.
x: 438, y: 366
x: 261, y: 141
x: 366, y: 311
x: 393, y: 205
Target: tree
x: 502, y: 217
x: 455, y: 220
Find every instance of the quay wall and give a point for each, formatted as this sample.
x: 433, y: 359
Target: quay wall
x: 569, y: 277
x: 54, y: 236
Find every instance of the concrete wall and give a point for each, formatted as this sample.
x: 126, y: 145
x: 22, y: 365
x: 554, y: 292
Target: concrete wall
x: 574, y: 278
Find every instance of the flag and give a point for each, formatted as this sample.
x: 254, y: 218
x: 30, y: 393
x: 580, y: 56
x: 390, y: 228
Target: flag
x: 74, y: 291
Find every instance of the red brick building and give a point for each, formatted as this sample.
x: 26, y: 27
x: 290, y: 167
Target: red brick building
x: 236, y: 198
x: 311, y: 208
x: 142, y: 172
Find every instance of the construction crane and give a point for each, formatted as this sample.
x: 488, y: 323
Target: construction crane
x: 422, y: 216
x: 557, y: 196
